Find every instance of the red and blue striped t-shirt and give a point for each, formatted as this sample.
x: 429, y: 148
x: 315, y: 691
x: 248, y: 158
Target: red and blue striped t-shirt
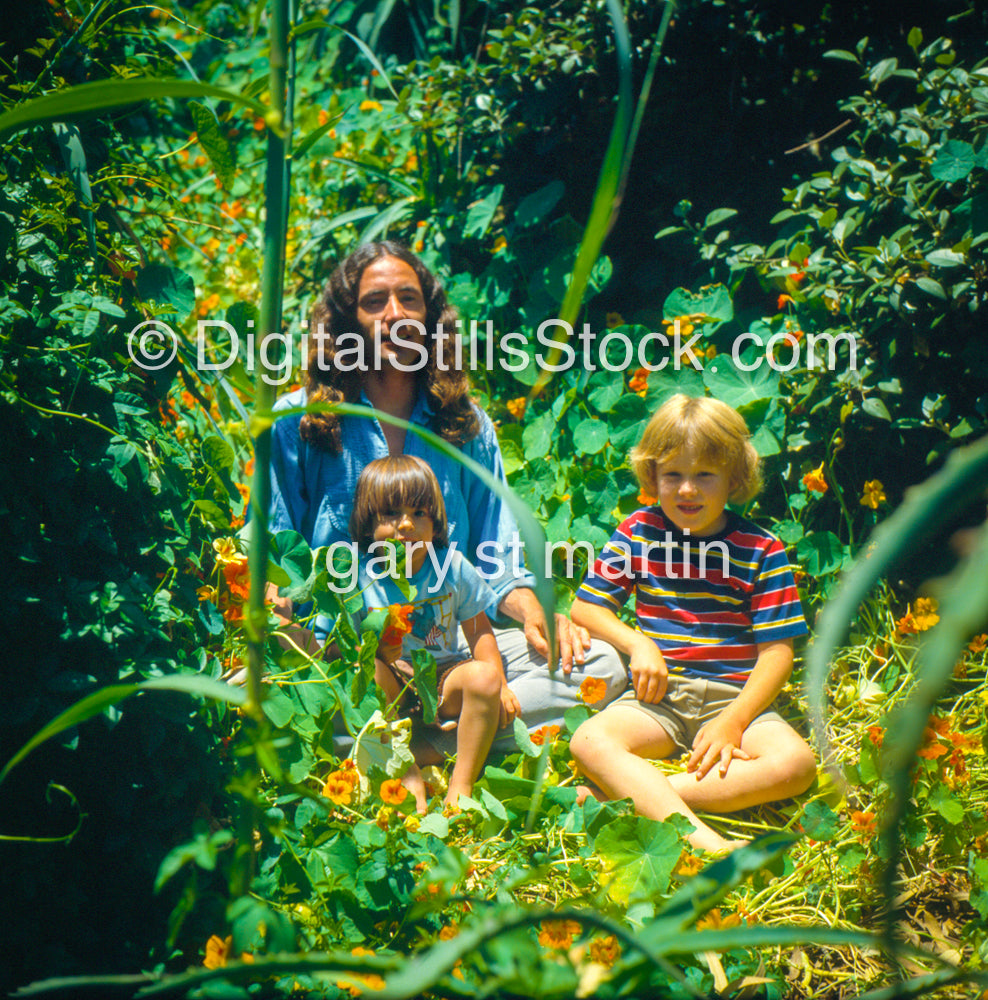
x: 706, y: 602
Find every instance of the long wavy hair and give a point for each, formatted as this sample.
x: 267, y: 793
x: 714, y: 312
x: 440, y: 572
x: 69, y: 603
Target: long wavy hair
x: 447, y: 392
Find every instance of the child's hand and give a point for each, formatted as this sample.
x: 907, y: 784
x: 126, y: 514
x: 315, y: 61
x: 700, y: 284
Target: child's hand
x: 649, y: 676
x: 718, y: 740
x: 388, y: 652
x: 510, y: 706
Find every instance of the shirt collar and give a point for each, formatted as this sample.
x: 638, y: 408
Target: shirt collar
x: 421, y: 412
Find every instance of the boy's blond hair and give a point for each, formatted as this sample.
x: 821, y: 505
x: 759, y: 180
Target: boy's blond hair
x: 713, y: 429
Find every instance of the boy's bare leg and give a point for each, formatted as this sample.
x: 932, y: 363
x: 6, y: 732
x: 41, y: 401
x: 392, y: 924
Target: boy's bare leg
x: 615, y: 749
x: 471, y: 694
x: 781, y: 766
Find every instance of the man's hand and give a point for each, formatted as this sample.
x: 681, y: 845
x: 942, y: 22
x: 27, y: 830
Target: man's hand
x: 649, y: 674
x: 572, y: 641
x: 719, y: 740
x: 510, y: 707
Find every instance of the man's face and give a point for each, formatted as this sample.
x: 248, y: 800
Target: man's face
x: 390, y: 292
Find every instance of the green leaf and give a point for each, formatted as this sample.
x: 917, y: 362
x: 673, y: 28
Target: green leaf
x: 524, y: 741
x: 945, y: 258
x: 424, y: 667
x: 590, y: 437
x: 289, y: 552
x: 480, y: 213
x: 99, y: 701
x: 536, y: 206
x: 841, y: 54
x: 214, y: 142
x: 108, y: 95
x: 217, y: 453
x: 167, y: 286
x: 874, y: 407
x: 819, y: 821
x: 714, y: 301
x: 881, y: 71
x: 537, y: 437
x: 736, y: 387
x: 953, y: 162
x: 719, y: 215
x: 637, y: 857
x: 931, y: 287
x: 820, y: 552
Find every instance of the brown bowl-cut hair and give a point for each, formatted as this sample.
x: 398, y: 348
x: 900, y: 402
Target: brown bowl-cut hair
x: 448, y: 392
x: 396, y: 481
x: 715, y: 431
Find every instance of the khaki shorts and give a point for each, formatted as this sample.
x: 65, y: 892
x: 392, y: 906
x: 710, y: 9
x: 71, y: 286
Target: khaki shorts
x: 688, y: 705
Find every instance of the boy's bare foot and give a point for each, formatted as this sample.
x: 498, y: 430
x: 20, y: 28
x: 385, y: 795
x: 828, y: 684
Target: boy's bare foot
x: 584, y: 791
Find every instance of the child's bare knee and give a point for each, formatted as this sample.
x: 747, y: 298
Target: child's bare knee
x: 485, y: 680
x: 587, y: 743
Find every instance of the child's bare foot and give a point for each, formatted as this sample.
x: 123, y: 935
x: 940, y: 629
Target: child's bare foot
x: 584, y: 791
x: 415, y: 783
x: 712, y: 843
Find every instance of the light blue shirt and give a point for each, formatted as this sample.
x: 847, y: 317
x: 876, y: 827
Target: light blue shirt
x: 312, y: 490
x: 444, y: 598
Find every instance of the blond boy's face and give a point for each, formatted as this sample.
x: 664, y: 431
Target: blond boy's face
x: 693, y: 492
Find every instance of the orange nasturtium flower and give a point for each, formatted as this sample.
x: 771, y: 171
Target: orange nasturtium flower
x: 978, y: 644
x: 397, y: 625
x: 814, y: 481
x: 370, y: 979
x: 877, y: 735
x: 516, y: 407
x: 873, y: 494
x: 370, y: 106
x: 540, y: 735
x: 647, y: 499
x: 217, y: 952
x: 237, y: 577
x: 605, y: 951
x: 393, y: 791
x: 639, y: 382
x: 593, y: 689
x: 715, y: 920
x: 557, y: 933
x: 338, y: 789
x: 863, y: 823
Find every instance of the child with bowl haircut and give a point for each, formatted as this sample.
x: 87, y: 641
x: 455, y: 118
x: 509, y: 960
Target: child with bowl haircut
x: 717, y: 611
x: 399, y: 498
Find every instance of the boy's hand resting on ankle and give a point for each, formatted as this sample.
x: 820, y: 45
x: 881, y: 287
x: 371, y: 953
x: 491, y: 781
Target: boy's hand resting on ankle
x: 510, y: 706
x: 718, y: 740
x: 649, y: 675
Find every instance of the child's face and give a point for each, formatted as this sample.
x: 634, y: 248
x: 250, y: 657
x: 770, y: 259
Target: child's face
x: 406, y: 524
x: 693, y: 492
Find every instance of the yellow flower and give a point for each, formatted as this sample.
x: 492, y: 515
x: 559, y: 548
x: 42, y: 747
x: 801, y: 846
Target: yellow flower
x: 715, y: 920
x: 499, y: 244
x: 370, y: 106
x: 605, y: 951
x: 558, y: 933
x: 226, y: 550
x: 206, y: 594
x: 925, y: 613
x: 814, y: 480
x: 516, y: 407
x: 873, y: 494
x: 687, y: 865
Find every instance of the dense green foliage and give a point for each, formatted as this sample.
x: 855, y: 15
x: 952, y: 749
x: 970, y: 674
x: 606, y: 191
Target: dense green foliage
x: 476, y: 134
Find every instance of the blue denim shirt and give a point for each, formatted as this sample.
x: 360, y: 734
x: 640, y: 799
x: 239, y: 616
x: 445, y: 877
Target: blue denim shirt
x: 312, y: 490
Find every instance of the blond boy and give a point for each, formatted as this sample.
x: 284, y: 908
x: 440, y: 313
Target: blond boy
x: 717, y: 611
